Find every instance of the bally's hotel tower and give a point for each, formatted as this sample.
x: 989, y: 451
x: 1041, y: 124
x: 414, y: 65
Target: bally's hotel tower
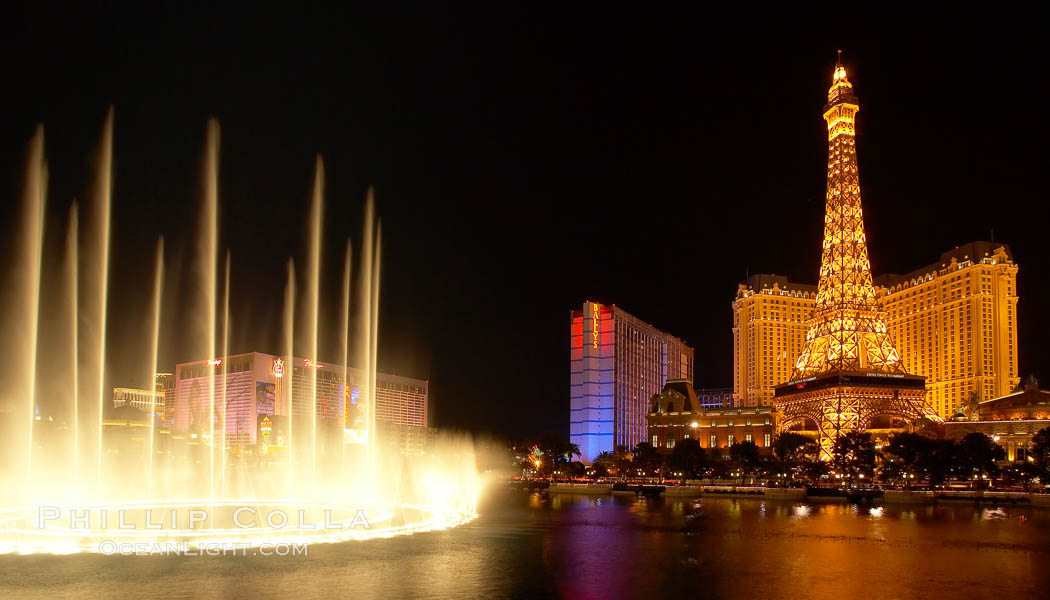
x: 617, y: 363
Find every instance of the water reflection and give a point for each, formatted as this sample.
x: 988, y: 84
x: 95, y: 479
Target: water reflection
x: 993, y: 514
x: 549, y: 545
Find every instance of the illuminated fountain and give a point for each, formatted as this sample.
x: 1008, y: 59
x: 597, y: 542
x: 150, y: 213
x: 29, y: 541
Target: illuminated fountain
x: 72, y: 487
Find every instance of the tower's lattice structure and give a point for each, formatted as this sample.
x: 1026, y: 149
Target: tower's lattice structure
x: 849, y: 370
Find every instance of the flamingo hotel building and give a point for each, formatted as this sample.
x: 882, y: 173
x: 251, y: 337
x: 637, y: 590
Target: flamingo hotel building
x: 257, y: 400
x: 617, y: 363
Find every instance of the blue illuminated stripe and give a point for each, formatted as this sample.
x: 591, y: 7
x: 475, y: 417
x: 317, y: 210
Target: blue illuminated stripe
x: 578, y: 422
x: 579, y: 434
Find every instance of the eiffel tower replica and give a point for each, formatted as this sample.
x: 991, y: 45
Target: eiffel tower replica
x: 849, y: 371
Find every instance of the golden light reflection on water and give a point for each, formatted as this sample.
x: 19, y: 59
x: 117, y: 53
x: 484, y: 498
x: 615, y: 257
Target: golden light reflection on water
x: 549, y: 545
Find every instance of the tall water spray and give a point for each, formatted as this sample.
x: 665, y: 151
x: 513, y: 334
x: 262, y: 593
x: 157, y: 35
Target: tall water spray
x: 313, y: 298
x: 24, y: 312
x: 100, y: 277
x: 158, y: 286
x: 72, y: 259
x: 373, y: 349
x: 364, y: 329
x: 403, y: 494
x: 345, y: 329
x: 207, y: 256
x: 285, y: 382
x: 225, y: 367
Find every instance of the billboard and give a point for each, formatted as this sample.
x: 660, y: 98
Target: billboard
x: 265, y: 398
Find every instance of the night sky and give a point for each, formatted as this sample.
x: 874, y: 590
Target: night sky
x: 526, y: 160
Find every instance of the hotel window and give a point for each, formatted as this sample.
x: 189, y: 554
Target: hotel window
x: 747, y: 438
x: 730, y: 422
x: 766, y: 440
x: 656, y: 443
x: 714, y: 441
x: 749, y: 422
x: 731, y: 439
x: 767, y: 420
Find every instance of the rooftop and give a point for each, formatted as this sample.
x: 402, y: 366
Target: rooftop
x: 974, y: 251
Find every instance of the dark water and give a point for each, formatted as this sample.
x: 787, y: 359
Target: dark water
x: 535, y: 545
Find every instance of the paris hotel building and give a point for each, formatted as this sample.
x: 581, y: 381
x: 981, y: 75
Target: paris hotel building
x: 954, y: 322
x: 617, y: 364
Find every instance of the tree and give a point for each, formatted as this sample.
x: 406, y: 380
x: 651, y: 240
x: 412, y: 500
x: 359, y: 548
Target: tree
x: 529, y: 458
x: 939, y: 460
x: 604, y: 457
x: 815, y: 469
x: 977, y: 454
x: 618, y: 462
x: 572, y: 450
x: 647, y: 459
x: 1023, y: 472
x: 908, y: 453
x: 552, y: 453
x: 598, y: 470
x: 688, y: 458
x: 790, y: 446
x: 576, y: 469
x: 746, y: 456
x: 795, y: 450
x: 1040, y: 450
x: 854, y: 455
x: 622, y: 459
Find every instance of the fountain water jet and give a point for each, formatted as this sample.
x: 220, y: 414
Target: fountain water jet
x: 208, y: 244
x: 404, y: 494
x: 286, y: 380
x: 72, y: 258
x: 225, y: 366
x: 313, y: 297
x: 158, y: 284
x: 26, y: 309
x: 345, y: 315
x: 102, y: 216
x: 364, y: 329
x: 373, y: 350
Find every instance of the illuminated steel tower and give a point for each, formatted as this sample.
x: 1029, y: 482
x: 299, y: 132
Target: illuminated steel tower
x: 848, y: 372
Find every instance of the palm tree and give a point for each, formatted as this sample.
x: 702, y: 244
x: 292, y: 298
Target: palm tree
x: 572, y: 450
x: 623, y: 459
x: 605, y: 460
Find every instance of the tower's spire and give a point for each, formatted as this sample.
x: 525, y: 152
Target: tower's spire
x: 848, y: 330
x: 841, y: 89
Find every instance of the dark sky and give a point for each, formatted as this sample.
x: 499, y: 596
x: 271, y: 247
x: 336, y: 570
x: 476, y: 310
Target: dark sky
x: 526, y: 160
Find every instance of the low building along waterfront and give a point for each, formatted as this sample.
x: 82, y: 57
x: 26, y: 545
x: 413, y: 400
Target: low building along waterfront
x: 675, y: 414
x: 1010, y: 420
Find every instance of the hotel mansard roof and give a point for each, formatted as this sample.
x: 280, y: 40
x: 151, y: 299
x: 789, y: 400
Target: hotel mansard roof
x: 973, y: 251
x: 679, y: 393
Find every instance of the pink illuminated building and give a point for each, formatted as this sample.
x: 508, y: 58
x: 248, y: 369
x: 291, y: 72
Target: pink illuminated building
x: 259, y: 385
